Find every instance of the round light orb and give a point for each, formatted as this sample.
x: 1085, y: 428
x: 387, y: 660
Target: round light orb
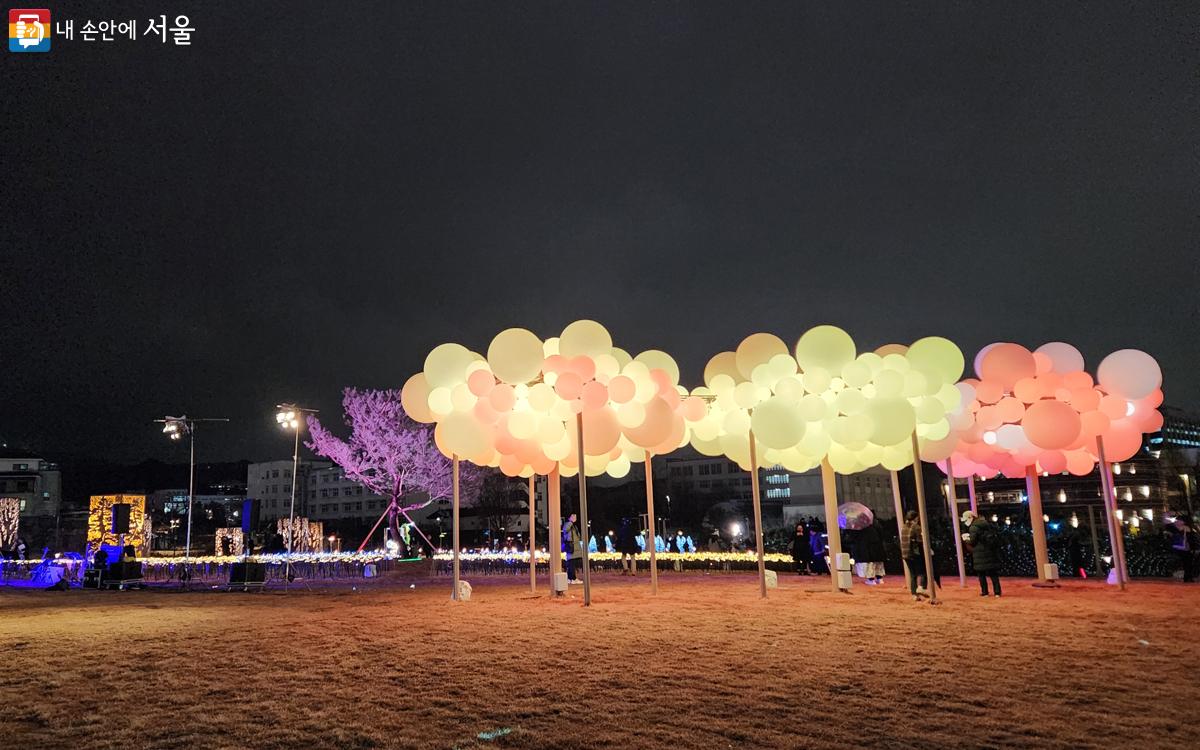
x: 778, y: 423
x: 446, y: 365
x: 584, y: 337
x: 1129, y: 373
x: 826, y: 347
x: 1064, y: 358
x: 515, y: 355
x: 934, y: 355
x: 1051, y: 425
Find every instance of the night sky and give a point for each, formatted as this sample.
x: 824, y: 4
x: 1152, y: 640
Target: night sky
x: 312, y: 195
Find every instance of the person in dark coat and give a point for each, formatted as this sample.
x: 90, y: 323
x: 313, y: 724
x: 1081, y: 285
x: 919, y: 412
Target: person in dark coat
x: 628, y: 547
x: 802, y: 552
x: 983, y: 540
x: 572, y: 545
x: 876, y: 553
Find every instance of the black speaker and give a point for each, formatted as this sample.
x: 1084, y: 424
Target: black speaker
x: 120, y: 518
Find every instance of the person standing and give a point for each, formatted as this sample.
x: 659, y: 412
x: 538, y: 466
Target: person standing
x: 983, y: 541
x: 802, y: 553
x: 876, y: 553
x: 1181, y: 537
x: 628, y: 547
x: 572, y: 545
x: 913, y: 551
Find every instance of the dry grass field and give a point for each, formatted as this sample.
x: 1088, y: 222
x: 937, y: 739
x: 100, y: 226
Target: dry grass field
x: 706, y: 664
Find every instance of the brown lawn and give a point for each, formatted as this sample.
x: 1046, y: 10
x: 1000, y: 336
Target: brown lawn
x: 706, y: 664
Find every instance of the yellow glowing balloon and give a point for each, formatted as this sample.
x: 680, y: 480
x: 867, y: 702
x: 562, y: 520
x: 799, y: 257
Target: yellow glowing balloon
x: 515, y: 355
x: 724, y: 363
x: 584, y: 337
x: 757, y: 349
x: 778, y: 423
x: 826, y: 347
x: 414, y: 397
x: 892, y: 420
x: 934, y: 355
x: 856, y: 373
x: 446, y: 365
x: 656, y: 360
x: 440, y: 401
x: 462, y: 434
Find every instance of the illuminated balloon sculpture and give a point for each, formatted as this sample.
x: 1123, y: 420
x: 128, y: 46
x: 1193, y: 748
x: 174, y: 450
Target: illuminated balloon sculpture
x: 825, y: 405
x: 530, y: 405
x: 1030, y: 412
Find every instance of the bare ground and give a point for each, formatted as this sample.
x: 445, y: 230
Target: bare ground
x: 705, y: 664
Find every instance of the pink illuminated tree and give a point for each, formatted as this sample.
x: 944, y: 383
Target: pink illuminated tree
x: 390, y: 454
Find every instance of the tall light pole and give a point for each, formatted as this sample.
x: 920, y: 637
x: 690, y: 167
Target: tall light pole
x: 176, y: 428
x: 289, y: 418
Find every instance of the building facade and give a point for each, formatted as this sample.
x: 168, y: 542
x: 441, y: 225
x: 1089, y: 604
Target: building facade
x: 36, y: 485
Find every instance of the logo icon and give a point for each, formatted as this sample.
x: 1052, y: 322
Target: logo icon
x: 29, y: 30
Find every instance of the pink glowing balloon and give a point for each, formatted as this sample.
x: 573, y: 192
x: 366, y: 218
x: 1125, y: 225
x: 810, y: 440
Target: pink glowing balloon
x: 1080, y: 463
x: 502, y: 397
x: 1043, y: 362
x: 481, y: 382
x: 1129, y: 373
x: 1006, y: 364
x: 1114, y: 407
x: 583, y: 366
x: 694, y: 408
x: 601, y: 431
x: 569, y: 385
x: 656, y: 426
x: 1077, y: 381
x: 989, y: 392
x: 484, y: 413
x: 1093, y: 423
x: 1051, y: 425
x: 1122, y: 440
x: 555, y: 363
x: 1054, y: 462
x: 1010, y: 409
x: 1028, y: 390
x: 662, y: 379
x: 989, y: 418
x: 595, y: 395
x: 622, y: 389
x: 1064, y: 357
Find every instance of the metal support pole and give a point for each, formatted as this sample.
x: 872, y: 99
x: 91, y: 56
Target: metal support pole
x: 758, y: 530
x: 952, y: 499
x: 583, y: 514
x: 832, y: 528
x: 650, y: 547
x: 454, y: 520
x: 930, y: 578
x: 1097, y: 563
x: 971, y: 493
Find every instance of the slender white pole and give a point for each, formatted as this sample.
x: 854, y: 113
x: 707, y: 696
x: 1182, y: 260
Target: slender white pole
x: 832, y: 530
x: 1033, y: 489
x: 291, y: 530
x: 583, y: 516
x: 952, y: 499
x: 971, y: 494
x: 918, y: 477
x: 454, y: 517
x: 758, y: 530
x: 1116, y: 533
x: 554, y: 532
x: 900, y: 526
x: 187, y: 545
x: 532, y: 535
x: 650, y: 546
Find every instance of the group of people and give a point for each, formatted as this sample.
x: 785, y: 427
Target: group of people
x: 19, y: 551
x: 981, y: 539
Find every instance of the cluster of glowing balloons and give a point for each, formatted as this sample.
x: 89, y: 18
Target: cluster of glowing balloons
x: 517, y: 408
x: 822, y: 399
x: 1042, y: 409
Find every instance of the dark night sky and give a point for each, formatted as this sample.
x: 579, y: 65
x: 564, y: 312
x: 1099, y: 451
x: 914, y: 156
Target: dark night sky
x: 313, y: 195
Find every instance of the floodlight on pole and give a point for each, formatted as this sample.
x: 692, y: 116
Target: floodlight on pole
x: 175, y: 428
x: 288, y: 417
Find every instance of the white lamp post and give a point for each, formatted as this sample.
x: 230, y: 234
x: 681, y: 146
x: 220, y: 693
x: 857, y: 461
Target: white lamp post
x: 289, y: 417
x: 176, y: 428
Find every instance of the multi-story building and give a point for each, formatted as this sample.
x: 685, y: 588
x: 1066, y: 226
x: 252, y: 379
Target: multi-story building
x: 270, y: 483
x: 323, y: 493
x: 37, y: 486
x: 786, y: 495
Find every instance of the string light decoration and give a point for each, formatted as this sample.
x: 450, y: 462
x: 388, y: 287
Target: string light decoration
x: 307, y: 534
x: 100, y: 522
x: 10, y: 521
x: 236, y: 541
